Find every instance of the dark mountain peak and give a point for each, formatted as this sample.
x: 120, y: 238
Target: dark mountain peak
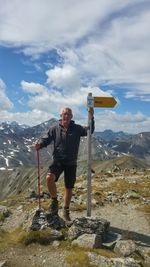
x: 108, y: 131
x: 45, y: 124
x: 37, y: 130
x: 12, y: 125
x: 143, y: 134
x: 110, y: 135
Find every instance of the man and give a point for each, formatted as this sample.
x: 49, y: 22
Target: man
x: 65, y: 135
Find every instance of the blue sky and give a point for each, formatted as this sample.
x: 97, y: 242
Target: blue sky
x: 53, y: 53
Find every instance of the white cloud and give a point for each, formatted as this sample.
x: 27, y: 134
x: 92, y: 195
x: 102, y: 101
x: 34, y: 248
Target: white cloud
x: 52, y: 22
x: 142, y: 92
x: 33, y: 88
x: 5, y: 102
x: 31, y: 118
x: 99, y: 42
x: 128, y: 122
x: 107, y: 42
x: 66, y: 78
x: 116, y: 58
x: 49, y: 99
x: 117, y: 52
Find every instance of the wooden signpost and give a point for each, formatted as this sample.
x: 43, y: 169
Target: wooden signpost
x: 97, y: 102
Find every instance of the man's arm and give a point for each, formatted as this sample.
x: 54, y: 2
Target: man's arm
x: 92, y: 125
x: 91, y: 110
x: 44, y: 141
x: 85, y: 129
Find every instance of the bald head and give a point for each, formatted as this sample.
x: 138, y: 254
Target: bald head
x: 66, y: 111
x: 66, y: 116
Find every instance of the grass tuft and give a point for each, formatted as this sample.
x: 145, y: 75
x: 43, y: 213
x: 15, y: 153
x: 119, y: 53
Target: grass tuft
x: 78, y: 259
x: 41, y: 237
x: 2, y: 217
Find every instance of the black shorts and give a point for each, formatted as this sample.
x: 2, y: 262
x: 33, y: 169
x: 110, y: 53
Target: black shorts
x: 57, y: 168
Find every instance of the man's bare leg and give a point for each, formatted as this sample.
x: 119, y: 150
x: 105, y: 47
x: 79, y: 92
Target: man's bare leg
x: 67, y: 200
x: 50, y: 180
x: 67, y: 197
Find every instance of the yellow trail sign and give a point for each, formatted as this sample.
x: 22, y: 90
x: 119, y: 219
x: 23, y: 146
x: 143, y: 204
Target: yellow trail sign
x: 104, y: 102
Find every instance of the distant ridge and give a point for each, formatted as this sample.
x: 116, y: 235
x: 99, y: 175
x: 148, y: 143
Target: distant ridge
x: 16, y: 145
x: 110, y: 135
x: 123, y: 162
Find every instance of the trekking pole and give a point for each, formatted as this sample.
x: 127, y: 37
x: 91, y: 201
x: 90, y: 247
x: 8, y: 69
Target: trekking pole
x: 39, y: 182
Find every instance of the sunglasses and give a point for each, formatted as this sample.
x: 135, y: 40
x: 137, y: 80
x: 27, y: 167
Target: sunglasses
x: 66, y: 114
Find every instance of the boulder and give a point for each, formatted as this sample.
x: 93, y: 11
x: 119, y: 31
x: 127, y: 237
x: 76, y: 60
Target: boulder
x: 89, y: 225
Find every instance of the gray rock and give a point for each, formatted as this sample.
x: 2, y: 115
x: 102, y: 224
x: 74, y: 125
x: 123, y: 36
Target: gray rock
x: 42, y: 220
x: 147, y: 262
x: 125, y: 247
x: 101, y: 261
x: 88, y: 225
x: 56, y: 243
x: 4, y: 210
x: 88, y: 241
x: 3, y: 264
x: 124, y: 262
x: 39, y: 220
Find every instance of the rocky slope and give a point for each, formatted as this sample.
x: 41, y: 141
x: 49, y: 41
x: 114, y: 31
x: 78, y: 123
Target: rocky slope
x: 23, y: 179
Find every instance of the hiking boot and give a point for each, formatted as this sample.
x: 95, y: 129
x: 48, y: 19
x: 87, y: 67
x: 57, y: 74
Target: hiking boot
x: 53, y: 208
x: 66, y: 214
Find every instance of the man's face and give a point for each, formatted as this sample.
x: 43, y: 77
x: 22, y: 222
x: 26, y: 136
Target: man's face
x: 66, y: 116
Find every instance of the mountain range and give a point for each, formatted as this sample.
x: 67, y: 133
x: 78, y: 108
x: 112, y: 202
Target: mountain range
x: 16, y: 145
